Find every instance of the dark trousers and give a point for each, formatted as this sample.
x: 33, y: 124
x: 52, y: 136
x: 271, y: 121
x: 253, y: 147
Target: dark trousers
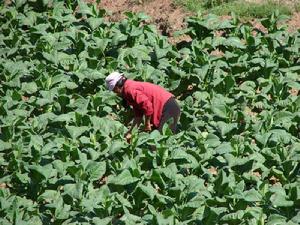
x: 171, y: 110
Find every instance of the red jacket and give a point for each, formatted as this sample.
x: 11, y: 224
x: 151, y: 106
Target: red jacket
x: 146, y: 99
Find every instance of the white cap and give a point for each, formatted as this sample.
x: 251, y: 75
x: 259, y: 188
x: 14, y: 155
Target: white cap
x: 112, y: 79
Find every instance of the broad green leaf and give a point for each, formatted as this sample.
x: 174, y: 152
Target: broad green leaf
x: 23, y: 178
x: 4, y: 145
x: 95, y: 22
x: 225, y: 128
x: 84, y: 8
x: 148, y: 190
x: 50, y: 57
x: 36, y: 141
x: 280, y: 200
x: 212, y: 140
x: 182, y: 157
x: 276, y: 219
x: 278, y: 135
x: 233, y: 216
x: 123, y: 201
x: 294, y: 85
x: 224, y: 148
x: 29, y: 88
x: 248, y: 86
x: 49, y: 196
x: 130, y: 219
x: 234, y: 42
x: 219, y: 110
x: 103, y: 221
x: 116, y: 146
x: 74, y: 190
x: 62, y: 212
x: 252, y: 196
x: 44, y: 171
x: 75, y: 132
x: 124, y: 178
x: 96, y: 170
x: 296, y: 219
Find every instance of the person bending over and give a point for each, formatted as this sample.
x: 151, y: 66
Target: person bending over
x: 147, y: 99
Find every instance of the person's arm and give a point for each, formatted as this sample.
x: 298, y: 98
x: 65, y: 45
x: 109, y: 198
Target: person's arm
x: 148, y: 125
x: 146, y: 107
x: 143, y: 106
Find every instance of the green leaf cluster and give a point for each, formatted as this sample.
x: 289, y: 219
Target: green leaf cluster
x: 63, y: 156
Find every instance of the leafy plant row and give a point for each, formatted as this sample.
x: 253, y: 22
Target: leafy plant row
x: 63, y: 157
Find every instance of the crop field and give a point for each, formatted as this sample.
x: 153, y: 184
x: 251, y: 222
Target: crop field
x: 63, y: 155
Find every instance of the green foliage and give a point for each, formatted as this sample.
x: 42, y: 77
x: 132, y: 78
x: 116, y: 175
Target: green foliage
x: 214, y: 3
x: 252, y: 10
x: 243, y: 9
x: 199, y: 5
x: 63, y: 156
x: 191, y: 5
x: 297, y: 6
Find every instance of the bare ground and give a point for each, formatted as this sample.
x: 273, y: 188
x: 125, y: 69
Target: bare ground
x: 165, y: 14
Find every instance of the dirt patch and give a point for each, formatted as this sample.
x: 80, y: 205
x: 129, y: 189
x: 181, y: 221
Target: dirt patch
x: 274, y: 180
x: 294, y: 23
x: 258, y: 27
x: 3, y: 186
x: 256, y: 174
x: 180, y: 39
x: 164, y: 14
x: 213, y: 170
x: 217, y: 53
x: 294, y: 92
x: 249, y: 112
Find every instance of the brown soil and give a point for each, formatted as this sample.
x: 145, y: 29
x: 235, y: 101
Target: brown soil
x: 294, y: 23
x: 213, y: 170
x: 274, y: 180
x: 294, y: 92
x: 257, y: 174
x: 165, y: 14
x: 249, y: 112
x: 3, y: 185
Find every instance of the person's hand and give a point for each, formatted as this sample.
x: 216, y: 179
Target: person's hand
x: 148, y: 125
x: 128, y: 137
